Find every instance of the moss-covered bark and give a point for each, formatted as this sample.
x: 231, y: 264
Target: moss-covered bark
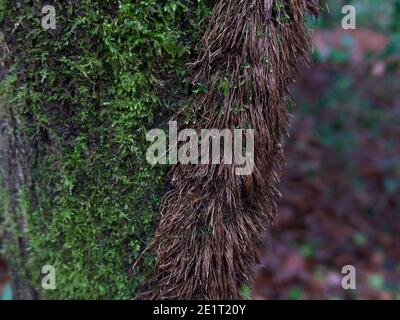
x: 75, y: 104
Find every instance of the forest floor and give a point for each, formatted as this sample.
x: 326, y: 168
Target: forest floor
x: 340, y: 187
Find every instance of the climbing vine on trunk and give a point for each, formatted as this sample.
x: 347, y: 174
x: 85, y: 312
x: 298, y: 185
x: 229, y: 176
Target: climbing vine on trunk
x: 212, y: 219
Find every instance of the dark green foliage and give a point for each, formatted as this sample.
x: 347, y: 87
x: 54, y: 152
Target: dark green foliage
x: 85, y: 94
x: 396, y: 16
x: 2, y: 10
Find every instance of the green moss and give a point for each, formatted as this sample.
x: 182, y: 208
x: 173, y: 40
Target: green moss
x: 86, y: 94
x: 2, y: 10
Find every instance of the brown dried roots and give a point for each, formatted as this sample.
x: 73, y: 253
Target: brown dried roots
x: 212, y: 218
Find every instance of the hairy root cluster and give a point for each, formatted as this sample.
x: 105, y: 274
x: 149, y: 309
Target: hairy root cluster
x: 212, y: 218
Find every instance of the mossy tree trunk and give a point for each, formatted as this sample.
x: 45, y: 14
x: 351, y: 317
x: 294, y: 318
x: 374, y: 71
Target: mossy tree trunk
x: 75, y: 105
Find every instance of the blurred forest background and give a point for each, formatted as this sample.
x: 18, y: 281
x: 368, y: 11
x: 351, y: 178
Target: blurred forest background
x: 341, y: 202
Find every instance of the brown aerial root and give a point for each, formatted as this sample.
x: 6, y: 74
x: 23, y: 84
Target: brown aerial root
x: 212, y: 218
